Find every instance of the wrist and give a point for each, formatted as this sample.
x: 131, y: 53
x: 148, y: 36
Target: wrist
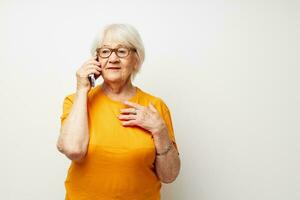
x: 165, y: 151
x: 161, y: 140
x: 82, y: 91
x: 157, y: 132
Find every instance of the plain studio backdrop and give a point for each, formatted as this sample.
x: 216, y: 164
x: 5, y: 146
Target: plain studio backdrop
x: 228, y: 70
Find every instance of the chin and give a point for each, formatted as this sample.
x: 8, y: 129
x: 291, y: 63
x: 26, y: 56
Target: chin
x: 112, y: 78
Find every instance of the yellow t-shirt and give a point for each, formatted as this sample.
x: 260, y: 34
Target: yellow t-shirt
x: 120, y: 161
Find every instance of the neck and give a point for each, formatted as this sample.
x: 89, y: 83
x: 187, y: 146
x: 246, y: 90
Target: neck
x: 118, y: 91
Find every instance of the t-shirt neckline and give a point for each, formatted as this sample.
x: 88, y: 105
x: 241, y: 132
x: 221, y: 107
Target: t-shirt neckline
x: 132, y: 99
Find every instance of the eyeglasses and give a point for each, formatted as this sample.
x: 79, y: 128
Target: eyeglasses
x: 121, y: 52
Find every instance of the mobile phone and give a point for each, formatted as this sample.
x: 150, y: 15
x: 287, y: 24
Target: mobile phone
x: 91, y: 77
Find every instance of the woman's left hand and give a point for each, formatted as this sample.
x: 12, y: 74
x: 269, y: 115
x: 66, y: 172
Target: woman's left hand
x: 147, y: 117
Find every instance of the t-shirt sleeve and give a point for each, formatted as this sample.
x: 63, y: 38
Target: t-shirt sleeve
x: 166, y: 114
x: 67, y: 105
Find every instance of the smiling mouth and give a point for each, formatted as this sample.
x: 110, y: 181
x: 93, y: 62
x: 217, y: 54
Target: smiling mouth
x: 114, y: 68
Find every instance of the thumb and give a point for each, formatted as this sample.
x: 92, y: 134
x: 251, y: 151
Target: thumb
x: 152, y: 107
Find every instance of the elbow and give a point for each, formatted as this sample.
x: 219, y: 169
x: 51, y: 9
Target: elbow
x: 76, y: 155
x: 171, y: 176
x: 73, y: 153
x: 168, y: 180
x: 74, y: 150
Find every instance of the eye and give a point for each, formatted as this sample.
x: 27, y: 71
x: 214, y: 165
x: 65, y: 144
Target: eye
x: 122, y: 50
x: 105, y: 50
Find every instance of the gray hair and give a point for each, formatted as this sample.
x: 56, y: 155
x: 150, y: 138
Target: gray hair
x: 124, y: 34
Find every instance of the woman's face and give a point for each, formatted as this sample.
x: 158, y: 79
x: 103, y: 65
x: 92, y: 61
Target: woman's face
x: 114, y: 68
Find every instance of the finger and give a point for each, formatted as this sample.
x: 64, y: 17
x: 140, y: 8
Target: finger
x: 92, y: 71
x: 93, y: 62
x: 134, y: 105
x: 86, y: 73
x: 94, y: 56
x: 152, y: 107
x: 127, y: 117
x: 128, y: 110
x: 93, y: 67
x: 97, y: 76
x: 129, y: 123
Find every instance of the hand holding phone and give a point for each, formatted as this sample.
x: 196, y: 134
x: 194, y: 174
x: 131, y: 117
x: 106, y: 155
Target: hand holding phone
x: 88, y: 73
x: 92, y: 77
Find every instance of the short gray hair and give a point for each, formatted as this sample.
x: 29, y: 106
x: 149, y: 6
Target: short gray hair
x: 124, y: 34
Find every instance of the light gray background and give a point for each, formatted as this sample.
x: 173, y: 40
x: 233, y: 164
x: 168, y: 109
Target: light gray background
x: 228, y: 70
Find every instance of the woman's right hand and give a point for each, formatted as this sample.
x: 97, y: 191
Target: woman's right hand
x: 91, y: 66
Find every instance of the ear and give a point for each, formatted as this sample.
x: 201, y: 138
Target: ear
x: 138, y: 63
x: 136, y: 67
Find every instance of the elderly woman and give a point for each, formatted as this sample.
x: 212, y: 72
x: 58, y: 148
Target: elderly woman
x: 119, y: 138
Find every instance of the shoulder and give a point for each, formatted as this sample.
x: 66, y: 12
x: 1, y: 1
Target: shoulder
x: 71, y: 96
x: 146, y: 98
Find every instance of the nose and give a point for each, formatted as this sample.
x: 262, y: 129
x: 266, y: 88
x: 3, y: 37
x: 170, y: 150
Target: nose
x: 113, y: 57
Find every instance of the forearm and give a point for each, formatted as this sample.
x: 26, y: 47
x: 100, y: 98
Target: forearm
x: 74, y: 134
x: 167, y: 165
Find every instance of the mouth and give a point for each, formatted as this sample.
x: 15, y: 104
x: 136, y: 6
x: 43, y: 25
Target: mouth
x: 113, y: 68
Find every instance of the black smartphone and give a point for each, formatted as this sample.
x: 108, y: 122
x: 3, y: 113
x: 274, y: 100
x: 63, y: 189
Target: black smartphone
x: 92, y: 77
x: 92, y: 80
